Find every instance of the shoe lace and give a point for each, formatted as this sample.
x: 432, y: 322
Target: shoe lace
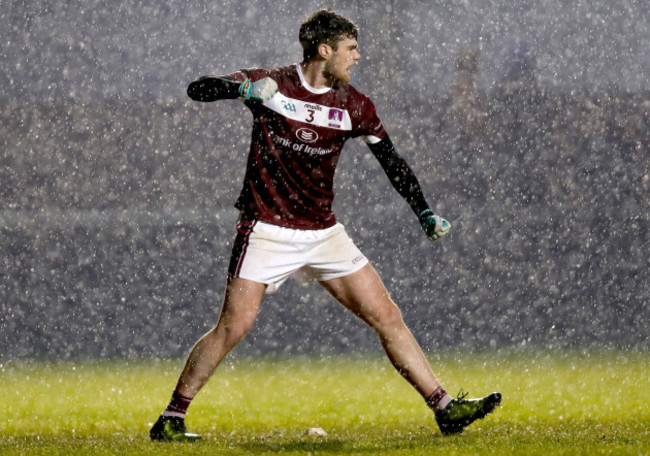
x: 462, y: 395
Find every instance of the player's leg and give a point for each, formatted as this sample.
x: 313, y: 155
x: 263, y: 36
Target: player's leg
x: 240, y: 308
x: 364, y: 293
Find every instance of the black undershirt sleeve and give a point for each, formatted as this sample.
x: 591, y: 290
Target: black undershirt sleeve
x: 213, y: 88
x: 400, y: 174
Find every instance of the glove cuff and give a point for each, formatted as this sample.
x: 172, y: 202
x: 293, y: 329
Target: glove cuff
x: 245, y: 88
x: 424, y: 215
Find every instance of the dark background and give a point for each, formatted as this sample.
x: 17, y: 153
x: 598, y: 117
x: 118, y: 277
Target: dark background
x: 527, y: 126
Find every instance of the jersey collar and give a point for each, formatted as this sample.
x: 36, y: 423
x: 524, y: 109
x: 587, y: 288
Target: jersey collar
x: 307, y: 86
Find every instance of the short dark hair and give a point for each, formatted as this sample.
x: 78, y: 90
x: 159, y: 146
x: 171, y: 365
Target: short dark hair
x: 324, y: 27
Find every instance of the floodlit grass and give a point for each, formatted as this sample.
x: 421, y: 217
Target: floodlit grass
x: 554, y: 403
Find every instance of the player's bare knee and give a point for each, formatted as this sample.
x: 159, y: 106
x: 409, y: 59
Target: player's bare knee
x: 230, y: 331
x: 238, y: 330
x: 387, y: 318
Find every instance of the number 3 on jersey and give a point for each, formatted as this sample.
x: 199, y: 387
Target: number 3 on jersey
x: 310, y: 117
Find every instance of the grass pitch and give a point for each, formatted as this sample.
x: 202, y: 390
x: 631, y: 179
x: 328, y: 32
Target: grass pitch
x: 554, y: 404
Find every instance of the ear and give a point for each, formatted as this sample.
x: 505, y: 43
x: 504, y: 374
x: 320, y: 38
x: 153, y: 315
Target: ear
x: 325, y: 50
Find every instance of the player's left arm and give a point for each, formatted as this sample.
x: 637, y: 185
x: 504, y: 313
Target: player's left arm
x: 406, y: 183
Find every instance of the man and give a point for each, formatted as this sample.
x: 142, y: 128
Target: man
x: 303, y: 114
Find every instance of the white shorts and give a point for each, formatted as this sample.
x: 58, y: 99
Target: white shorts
x: 271, y: 254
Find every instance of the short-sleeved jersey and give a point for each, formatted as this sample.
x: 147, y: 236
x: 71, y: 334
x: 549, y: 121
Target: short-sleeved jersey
x: 296, y: 142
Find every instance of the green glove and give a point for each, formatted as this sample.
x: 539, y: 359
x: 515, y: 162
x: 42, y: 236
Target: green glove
x: 434, y: 225
x: 260, y: 91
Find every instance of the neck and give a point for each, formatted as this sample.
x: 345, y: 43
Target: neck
x: 313, y: 71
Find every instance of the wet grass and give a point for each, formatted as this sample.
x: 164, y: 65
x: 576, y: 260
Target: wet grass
x: 554, y: 404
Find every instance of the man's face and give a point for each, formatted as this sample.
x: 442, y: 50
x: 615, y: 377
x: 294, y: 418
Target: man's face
x: 342, y: 59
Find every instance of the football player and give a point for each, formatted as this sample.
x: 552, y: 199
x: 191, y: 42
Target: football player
x: 302, y: 116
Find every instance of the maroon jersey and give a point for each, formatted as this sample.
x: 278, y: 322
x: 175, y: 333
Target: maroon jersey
x: 296, y: 142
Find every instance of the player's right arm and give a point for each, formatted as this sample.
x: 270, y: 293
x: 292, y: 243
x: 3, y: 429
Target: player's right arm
x: 213, y: 88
